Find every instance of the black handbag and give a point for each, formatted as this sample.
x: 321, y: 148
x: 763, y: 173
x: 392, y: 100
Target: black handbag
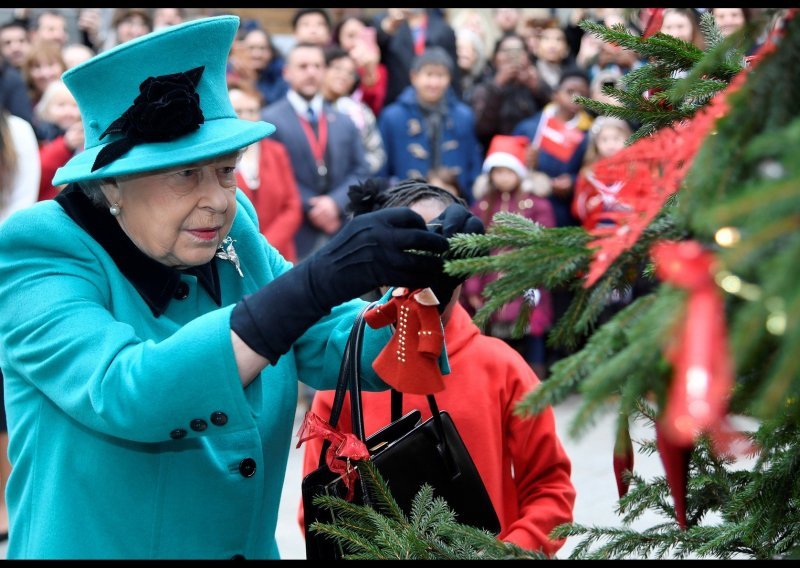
x: 406, y: 453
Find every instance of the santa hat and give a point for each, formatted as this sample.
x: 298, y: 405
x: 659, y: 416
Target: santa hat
x: 507, y: 152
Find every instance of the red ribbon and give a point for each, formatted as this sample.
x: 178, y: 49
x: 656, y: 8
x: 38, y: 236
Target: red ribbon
x: 703, y: 376
x: 343, y: 448
x: 318, y: 143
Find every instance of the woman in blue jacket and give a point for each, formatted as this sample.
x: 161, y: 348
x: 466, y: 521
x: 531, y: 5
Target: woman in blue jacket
x: 152, y: 339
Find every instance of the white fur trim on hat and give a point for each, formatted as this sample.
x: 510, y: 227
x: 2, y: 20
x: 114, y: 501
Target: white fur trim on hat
x: 504, y: 160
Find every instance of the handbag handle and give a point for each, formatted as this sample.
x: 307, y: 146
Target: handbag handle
x: 350, y: 379
x: 356, y: 405
x: 343, y: 382
x: 345, y: 371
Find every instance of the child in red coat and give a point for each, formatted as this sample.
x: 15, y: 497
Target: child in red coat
x: 594, y: 196
x: 521, y: 460
x: 507, y: 185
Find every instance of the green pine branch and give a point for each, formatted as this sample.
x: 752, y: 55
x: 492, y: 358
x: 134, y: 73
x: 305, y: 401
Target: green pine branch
x: 430, y: 533
x: 654, y: 95
x: 715, y: 486
x: 746, y: 177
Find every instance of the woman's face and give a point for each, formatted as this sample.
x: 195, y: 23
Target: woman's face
x: 350, y: 33
x: 728, y: 20
x: 45, y: 72
x: 465, y: 53
x: 511, y: 52
x: 178, y: 216
x: 677, y: 25
x: 132, y: 27
x: 257, y: 49
x: 473, y: 21
x: 553, y: 46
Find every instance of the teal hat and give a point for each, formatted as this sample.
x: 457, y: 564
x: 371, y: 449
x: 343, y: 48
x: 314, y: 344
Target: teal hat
x: 158, y: 101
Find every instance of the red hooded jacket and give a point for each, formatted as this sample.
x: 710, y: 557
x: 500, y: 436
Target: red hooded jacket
x: 521, y: 460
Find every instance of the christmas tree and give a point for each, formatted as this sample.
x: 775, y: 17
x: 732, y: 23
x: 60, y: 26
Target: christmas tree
x: 712, y: 217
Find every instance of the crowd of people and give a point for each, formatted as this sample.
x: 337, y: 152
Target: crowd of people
x: 477, y: 103
x: 396, y: 94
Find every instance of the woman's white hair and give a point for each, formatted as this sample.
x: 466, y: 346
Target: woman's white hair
x: 42, y: 107
x: 480, y: 49
x: 93, y: 188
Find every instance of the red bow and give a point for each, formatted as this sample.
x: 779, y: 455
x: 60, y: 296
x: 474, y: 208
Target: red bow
x: 698, y: 398
x: 703, y: 378
x: 343, y: 448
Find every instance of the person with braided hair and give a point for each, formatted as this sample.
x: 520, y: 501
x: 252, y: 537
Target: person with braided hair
x: 520, y: 459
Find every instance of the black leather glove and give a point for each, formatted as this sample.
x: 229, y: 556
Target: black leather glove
x: 454, y: 219
x: 370, y: 251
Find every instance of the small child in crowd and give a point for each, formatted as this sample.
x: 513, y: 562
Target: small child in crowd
x: 506, y: 185
x: 520, y: 459
x: 593, y: 196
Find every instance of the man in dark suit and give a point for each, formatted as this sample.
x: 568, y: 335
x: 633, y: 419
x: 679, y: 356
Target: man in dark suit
x: 324, y: 146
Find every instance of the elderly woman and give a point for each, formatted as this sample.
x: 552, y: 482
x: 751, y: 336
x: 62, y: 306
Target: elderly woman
x: 152, y: 338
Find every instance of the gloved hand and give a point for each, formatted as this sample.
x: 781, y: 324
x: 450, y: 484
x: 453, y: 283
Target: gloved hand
x: 454, y: 219
x: 371, y: 250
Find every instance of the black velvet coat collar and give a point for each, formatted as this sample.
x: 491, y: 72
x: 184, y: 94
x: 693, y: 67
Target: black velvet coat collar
x: 156, y: 282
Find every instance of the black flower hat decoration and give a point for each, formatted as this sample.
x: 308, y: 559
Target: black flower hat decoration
x: 167, y: 108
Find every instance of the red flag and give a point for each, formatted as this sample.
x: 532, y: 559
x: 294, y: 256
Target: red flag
x: 558, y: 139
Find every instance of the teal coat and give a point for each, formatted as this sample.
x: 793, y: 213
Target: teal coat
x: 96, y: 383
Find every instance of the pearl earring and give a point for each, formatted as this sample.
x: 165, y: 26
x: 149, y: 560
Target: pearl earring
x: 114, y: 209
